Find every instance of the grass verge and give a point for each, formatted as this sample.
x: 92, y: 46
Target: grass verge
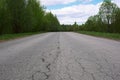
x: 5, y: 37
x: 115, y: 36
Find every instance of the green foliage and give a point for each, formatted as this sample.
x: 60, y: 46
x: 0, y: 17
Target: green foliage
x: 115, y: 27
x: 17, y: 16
x: 107, y: 0
x: 36, y: 14
x: 17, y: 9
x: 101, y: 34
x: 107, y: 20
x: 74, y: 27
x: 14, y: 36
x: 66, y: 28
x: 5, y: 18
x: 51, y: 22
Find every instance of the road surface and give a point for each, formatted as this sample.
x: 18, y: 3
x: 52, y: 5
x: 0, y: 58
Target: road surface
x: 60, y: 56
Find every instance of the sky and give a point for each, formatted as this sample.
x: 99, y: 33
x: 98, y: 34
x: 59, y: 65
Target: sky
x: 70, y: 11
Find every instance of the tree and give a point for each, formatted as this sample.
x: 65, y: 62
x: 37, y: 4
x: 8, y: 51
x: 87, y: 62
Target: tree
x: 107, y: 13
x: 36, y: 13
x: 18, y: 16
x: 107, y: 20
x: 17, y: 9
x: 75, y: 26
x: 107, y: 0
x: 51, y: 22
x: 5, y: 18
x: 116, y: 24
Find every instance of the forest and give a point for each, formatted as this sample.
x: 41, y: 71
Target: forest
x: 107, y: 20
x: 22, y: 16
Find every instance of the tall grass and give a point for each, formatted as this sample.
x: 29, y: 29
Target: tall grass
x: 115, y: 36
x: 14, y: 36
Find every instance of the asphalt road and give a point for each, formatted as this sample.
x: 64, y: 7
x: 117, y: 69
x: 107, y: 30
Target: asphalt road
x: 60, y: 56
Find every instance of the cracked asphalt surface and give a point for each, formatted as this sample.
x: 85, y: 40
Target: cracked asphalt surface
x: 60, y: 56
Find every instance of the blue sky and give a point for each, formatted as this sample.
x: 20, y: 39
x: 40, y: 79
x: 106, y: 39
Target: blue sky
x: 70, y: 11
x: 57, y: 6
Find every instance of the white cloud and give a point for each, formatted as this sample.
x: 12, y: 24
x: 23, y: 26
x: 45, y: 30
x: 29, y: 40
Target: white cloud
x: 55, y: 2
x: 78, y: 13
x: 117, y: 2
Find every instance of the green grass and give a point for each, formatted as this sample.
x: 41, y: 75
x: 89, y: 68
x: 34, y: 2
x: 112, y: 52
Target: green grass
x: 114, y: 36
x: 15, y: 36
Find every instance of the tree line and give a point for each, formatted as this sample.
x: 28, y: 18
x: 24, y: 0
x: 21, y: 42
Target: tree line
x: 19, y: 16
x: 107, y: 20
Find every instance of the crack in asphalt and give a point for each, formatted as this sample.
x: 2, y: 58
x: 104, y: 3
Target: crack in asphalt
x: 39, y: 72
x: 48, y: 67
x: 93, y: 77
x: 46, y: 75
x: 69, y: 75
x: 61, y: 57
x: 109, y: 74
x: 84, y: 70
